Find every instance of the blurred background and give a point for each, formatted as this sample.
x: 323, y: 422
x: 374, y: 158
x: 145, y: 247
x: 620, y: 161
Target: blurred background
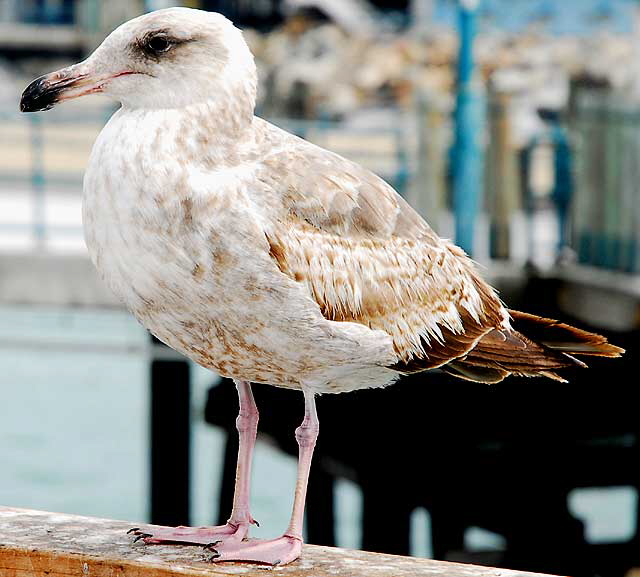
x: 513, y: 126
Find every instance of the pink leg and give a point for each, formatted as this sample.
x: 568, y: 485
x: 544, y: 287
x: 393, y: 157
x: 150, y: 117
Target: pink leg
x: 286, y: 548
x: 237, y: 526
x: 247, y: 425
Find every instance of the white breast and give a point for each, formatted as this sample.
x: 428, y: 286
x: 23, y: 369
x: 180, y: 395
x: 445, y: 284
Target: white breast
x: 180, y: 246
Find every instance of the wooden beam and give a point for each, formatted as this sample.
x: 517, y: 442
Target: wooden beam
x: 170, y: 439
x: 41, y: 544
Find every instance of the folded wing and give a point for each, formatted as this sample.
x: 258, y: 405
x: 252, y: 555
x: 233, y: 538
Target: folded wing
x: 366, y: 256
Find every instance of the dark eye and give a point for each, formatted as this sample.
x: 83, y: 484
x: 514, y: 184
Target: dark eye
x: 158, y: 44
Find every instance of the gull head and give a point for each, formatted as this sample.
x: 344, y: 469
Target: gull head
x: 170, y: 58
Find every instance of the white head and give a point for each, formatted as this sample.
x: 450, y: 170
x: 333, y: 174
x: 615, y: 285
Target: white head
x: 165, y: 59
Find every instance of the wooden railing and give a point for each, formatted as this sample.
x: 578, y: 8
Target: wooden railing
x: 39, y: 544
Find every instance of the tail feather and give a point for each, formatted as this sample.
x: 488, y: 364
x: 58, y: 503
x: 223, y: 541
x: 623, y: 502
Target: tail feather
x: 562, y: 337
x: 492, y: 375
x: 516, y: 353
x: 536, y: 346
x: 462, y: 370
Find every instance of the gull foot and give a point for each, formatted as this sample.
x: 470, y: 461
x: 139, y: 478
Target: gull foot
x: 194, y: 535
x: 278, y: 551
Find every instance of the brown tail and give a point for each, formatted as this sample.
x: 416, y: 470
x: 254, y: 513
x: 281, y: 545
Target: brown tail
x: 535, y: 347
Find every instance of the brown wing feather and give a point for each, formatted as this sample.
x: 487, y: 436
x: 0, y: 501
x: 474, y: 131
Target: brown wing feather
x: 439, y: 353
x: 366, y: 256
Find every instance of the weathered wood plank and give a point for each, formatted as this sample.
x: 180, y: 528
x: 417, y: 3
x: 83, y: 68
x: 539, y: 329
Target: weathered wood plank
x: 41, y: 544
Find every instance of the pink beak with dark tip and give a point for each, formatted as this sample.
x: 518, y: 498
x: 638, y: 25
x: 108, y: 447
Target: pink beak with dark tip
x: 45, y: 92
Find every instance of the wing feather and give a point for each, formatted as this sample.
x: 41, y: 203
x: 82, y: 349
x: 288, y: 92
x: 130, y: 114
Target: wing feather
x: 366, y: 256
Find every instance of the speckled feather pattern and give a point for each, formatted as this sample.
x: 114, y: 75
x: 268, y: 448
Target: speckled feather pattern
x: 365, y: 255
x: 269, y: 259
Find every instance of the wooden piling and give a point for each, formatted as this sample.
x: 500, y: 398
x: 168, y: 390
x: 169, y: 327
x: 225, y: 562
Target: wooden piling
x: 502, y: 184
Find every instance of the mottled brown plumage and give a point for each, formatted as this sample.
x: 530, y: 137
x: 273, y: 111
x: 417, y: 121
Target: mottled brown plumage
x: 269, y: 259
x: 366, y: 256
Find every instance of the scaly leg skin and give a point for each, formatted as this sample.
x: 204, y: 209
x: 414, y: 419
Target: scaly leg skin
x: 287, y: 548
x: 237, y: 527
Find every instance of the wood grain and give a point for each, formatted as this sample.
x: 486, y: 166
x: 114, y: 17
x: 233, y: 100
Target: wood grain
x: 41, y: 544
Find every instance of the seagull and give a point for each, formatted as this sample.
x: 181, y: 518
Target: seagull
x: 268, y: 259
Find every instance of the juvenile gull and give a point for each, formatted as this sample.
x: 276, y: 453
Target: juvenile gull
x: 268, y: 259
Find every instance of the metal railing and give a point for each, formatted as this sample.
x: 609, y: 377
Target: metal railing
x: 41, y: 156
x: 605, y: 213
x: 45, y: 156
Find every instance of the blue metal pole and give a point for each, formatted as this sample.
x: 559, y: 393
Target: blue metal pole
x: 467, y: 166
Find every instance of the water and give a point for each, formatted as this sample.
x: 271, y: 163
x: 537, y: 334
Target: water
x: 74, y: 435
x: 74, y: 426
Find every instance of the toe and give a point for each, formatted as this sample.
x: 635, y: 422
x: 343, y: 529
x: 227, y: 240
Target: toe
x: 279, y: 551
x: 190, y: 535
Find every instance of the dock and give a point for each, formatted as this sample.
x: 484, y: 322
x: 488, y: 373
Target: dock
x: 39, y: 544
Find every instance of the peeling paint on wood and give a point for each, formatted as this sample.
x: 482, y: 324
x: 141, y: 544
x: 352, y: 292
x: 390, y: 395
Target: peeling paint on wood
x: 41, y: 544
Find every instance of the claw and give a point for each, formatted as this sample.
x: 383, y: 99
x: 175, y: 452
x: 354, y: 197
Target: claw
x: 210, y: 546
x: 133, y: 530
x: 142, y: 536
x: 214, y: 556
x: 255, y: 523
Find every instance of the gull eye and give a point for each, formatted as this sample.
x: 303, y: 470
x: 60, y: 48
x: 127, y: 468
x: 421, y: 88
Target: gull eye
x: 158, y: 44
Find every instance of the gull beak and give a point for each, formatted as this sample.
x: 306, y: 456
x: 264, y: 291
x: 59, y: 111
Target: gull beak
x: 71, y: 82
